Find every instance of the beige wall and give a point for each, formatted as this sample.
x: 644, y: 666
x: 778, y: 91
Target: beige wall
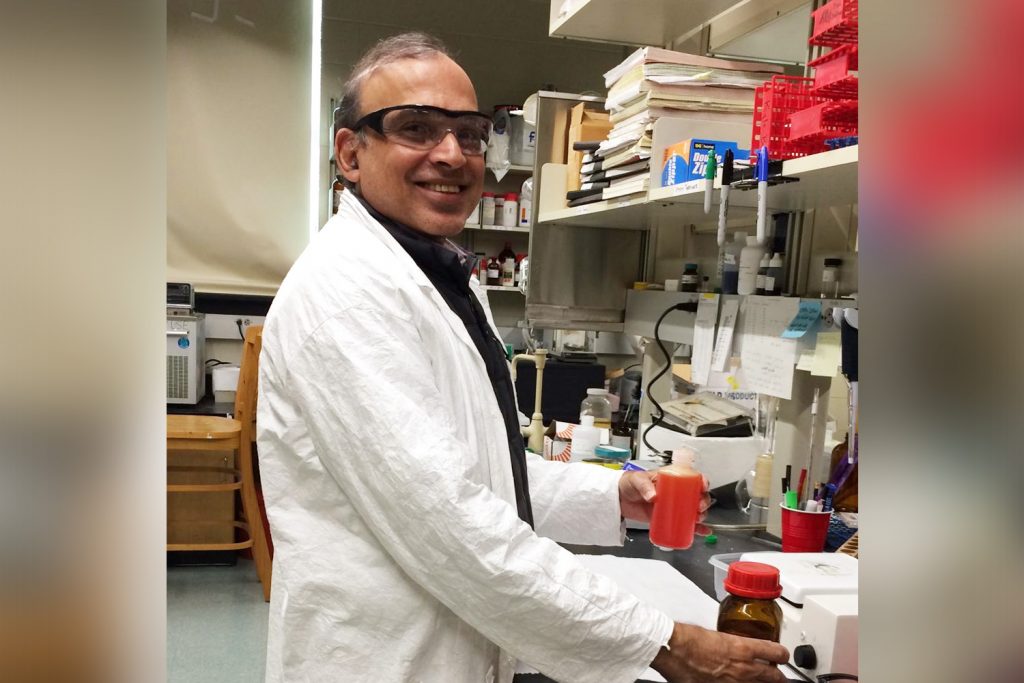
x: 238, y: 130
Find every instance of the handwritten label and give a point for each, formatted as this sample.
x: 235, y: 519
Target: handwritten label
x: 704, y: 337
x: 723, y: 342
x: 806, y: 318
x: 768, y: 359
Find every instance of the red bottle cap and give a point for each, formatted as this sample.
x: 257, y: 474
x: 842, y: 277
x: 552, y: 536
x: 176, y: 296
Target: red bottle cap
x: 511, y: 196
x: 487, y: 194
x: 753, y: 580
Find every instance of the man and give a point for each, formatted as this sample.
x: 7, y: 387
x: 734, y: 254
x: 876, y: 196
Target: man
x: 402, y: 505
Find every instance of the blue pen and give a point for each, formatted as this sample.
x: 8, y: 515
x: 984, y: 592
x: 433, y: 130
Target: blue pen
x: 723, y: 201
x: 830, y: 492
x: 762, y: 192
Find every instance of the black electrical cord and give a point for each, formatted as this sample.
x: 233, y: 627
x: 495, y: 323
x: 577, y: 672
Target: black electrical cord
x: 241, y: 332
x: 213, y: 362
x: 658, y: 419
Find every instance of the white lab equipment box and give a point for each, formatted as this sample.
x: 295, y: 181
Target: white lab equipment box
x: 186, y: 376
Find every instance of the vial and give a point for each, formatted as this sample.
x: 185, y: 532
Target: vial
x: 750, y: 609
x: 830, y: 278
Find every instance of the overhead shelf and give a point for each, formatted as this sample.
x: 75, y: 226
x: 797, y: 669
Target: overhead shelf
x: 625, y: 213
x: 657, y: 22
x: 498, y: 288
x: 498, y: 228
x: 826, y: 179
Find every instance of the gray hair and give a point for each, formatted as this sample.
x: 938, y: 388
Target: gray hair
x: 413, y: 45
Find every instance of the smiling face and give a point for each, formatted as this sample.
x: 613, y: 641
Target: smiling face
x: 433, y: 190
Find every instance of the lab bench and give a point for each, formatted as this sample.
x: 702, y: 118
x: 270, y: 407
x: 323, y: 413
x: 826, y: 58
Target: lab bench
x: 692, y: 563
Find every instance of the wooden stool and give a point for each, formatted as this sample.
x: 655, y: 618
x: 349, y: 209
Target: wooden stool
x: 207, y: 433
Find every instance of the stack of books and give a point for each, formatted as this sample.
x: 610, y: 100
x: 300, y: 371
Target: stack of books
x: 651, y: 83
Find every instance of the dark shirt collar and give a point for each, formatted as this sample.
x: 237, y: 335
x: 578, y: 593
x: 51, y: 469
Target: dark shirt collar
x: 435, y: 256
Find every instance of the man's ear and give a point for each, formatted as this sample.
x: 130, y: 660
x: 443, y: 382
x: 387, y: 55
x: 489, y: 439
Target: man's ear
x: 346, y: 151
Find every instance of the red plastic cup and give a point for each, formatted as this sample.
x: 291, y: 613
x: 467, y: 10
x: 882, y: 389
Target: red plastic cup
x: 802, y: 531
x: 676, y: 507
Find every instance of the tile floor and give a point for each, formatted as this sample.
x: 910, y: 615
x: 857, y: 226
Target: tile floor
x: 216, y: 624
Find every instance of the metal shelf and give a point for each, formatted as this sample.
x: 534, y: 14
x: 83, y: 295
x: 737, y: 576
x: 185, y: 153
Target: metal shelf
x: 826, y: 179
x: 658, y: 22
x: 498, y: 288
x: 498, y: 228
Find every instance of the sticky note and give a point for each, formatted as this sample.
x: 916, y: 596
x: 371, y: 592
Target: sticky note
x: 827, y: 354
x: 806, y: 318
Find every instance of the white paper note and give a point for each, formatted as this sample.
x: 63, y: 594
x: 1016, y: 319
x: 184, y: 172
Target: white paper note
x: 723, y: 342
x: 704, y: 337
x: 827, y: 354
x: 767, y: 360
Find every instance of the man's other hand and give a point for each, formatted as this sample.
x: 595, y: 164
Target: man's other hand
x: 637, y: 497
x: 695, y: 654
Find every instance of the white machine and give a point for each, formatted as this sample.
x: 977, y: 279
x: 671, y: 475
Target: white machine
x: 819, y: 609
x: 186, y: 376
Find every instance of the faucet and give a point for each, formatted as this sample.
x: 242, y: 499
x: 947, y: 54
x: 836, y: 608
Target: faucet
x: 535, y: 432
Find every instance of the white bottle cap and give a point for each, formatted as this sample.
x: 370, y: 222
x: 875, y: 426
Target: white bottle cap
x: 586, y: 420
x: 683, y: 456
x: 752, y: 241
x: 776, y: 261
x: 597, y: 392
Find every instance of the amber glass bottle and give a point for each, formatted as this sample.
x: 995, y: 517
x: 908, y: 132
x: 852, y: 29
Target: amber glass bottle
x: 750, y: 609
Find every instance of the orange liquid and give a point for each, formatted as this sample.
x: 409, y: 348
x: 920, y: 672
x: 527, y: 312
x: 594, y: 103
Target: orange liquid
x: 675, y: 508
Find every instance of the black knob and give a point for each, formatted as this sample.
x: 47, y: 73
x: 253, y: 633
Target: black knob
x: 804, y: 657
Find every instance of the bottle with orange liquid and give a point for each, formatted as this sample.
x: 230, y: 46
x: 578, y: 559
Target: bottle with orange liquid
x: 676, y: 505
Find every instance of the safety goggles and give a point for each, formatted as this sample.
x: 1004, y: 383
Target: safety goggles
x: 421, y: 126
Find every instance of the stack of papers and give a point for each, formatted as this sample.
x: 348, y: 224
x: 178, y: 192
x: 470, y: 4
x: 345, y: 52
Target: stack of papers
x: 705, y: 413
x: 653, y: 82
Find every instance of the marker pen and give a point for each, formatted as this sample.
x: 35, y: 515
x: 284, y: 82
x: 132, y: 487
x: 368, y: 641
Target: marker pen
x: 723, y: 199
x: 830, y: 492
x: 762, y: 192
x: 709, y: 179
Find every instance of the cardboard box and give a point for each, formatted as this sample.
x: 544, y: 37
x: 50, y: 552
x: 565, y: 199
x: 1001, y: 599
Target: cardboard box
x: 687, y: 160
x: 584, y: 125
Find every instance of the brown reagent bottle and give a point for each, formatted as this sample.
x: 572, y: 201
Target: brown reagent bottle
x: 750, y: 609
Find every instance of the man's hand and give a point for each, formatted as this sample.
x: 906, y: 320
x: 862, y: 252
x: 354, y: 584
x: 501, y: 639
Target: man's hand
x: 637, y: 494
x: 697, y: 655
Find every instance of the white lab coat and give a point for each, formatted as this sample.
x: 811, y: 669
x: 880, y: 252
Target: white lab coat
x: 399, y: 555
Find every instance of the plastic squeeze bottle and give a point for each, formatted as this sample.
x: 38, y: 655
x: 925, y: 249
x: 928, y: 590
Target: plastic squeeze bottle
x: 676, y: 506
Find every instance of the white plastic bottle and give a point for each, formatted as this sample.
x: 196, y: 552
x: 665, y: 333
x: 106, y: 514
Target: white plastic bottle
x: 762, y: 274
x: 510, y: 210
x: 773, y: 282
x: 750, y: 259
x: 584, y: 439
x: 526, y: 203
